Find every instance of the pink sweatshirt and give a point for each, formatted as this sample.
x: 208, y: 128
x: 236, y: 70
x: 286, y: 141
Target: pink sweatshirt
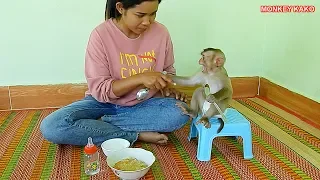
x: 111, y: 55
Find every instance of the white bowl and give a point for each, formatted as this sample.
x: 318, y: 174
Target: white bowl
x: 115, y: 144
x: 138, y: 153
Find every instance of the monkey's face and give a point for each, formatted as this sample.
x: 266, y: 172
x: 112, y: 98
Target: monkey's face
x: 210, y: 60
x: 207, y: 59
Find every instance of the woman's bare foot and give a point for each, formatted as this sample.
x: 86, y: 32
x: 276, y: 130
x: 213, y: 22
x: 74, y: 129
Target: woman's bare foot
x: 153, y: 137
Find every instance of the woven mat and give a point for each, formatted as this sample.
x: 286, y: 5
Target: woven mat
x: 24, y: 154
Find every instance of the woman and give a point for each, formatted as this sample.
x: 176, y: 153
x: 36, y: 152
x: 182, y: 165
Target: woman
x: 124, y: 54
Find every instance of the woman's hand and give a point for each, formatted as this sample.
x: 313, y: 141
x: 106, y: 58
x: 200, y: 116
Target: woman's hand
x: 154, y: 80
x: 171, y: 92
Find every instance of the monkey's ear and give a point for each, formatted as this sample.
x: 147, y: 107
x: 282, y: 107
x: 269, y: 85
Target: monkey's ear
x: 220, y: 62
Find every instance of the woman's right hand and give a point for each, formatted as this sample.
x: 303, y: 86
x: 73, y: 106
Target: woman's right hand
x: 154, y: 80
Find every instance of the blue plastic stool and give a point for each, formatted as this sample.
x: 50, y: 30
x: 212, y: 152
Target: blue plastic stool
x: 236, y: 125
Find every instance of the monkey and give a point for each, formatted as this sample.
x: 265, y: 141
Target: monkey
x: 213, y: 76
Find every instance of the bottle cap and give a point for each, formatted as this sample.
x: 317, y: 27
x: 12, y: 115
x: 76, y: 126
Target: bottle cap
x: 90, y: 148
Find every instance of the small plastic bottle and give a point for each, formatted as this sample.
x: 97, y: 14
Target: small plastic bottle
x: 91, y: 158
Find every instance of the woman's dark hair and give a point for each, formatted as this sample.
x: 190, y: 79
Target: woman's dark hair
x: 111, y: 10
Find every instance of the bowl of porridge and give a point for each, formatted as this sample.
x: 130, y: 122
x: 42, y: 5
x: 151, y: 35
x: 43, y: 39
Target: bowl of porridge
x: 130, y: 163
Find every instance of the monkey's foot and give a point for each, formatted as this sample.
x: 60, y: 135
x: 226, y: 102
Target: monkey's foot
x: 153, y: 137
x: 186, y: 110
x: 204, y: 121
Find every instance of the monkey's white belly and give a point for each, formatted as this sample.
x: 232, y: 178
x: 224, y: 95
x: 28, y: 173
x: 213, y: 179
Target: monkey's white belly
x: 205, y: 107
x: 215, y: 85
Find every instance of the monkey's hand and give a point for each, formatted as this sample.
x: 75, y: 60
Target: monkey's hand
x: 211, y: 98
x: 224, y: 93
x: 187, y: 110
x: 205, y: 121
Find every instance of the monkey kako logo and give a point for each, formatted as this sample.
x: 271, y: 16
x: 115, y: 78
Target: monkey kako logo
x: 287, y: 9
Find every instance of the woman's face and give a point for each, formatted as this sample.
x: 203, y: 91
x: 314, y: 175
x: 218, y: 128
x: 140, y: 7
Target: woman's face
x: 139, y: 18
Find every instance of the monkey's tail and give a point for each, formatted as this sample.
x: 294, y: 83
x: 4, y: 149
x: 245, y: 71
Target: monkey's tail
x: 222, y: 119
x: 221, y: 125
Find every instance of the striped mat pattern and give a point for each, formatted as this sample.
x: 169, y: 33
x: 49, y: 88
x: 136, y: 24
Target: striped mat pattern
x: 282, y: 150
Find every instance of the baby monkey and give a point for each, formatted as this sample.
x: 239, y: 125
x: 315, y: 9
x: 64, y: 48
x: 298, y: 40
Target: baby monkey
x: 213, y: 76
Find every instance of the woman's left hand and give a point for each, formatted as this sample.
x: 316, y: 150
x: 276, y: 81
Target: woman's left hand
x: 171, y: 92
